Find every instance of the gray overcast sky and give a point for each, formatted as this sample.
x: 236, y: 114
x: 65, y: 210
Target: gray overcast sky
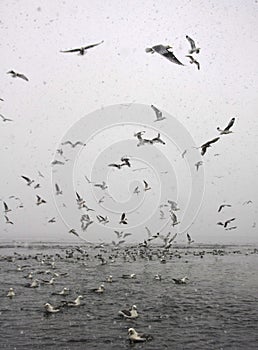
x: 63, y: 88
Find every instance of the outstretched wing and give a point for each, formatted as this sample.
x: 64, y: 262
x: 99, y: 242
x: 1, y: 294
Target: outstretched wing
x: 191, y: 41
x: 72, y: 50
x: 162, y: 50
x: 25, y: 178
x: 230, y: 124
x: 92, y: 45
x: 207, y: 144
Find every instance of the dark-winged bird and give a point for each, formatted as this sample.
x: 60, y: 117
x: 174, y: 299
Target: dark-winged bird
x: 164, y: 51
x: 83, y: 50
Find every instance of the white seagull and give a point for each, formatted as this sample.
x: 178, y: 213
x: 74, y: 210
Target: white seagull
x: 136, y: 337
x: 227, y: 128
x: 131, y: 313
x: 194, y: 49
x: 164, y: 51
x: 158, y: 113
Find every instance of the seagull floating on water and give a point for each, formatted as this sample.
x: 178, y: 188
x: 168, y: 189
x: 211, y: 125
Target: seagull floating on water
x: 74, y: 303
x: 180, y: 280
x: 83, y: 50
x: 136, y: 337
x: 50, y: 309
x: 131, y: 313
x: 164, y: 51
x: 10, y: 293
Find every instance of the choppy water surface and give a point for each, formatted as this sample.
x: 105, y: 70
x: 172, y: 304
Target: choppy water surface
x: 216, y: 309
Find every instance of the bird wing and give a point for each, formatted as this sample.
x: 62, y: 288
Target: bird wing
x: 67, y: 143
x: 220, y: 207
x: 92, y: 45
x: 25, y: 178
x: 191, y: 41
x: 22, y: 76
x: 122, y: 216
x: 5, y: 206
x: 208, y: 143
x: 78, y: 196
x: 148, y: 231
x: 72, y: 50
x: 145, y: 184
x: 188, y: 237
x: 126, y: 312
x: 162, y: 50
x: 157, y: 111
x: 78, y: 143
x: 230, y: 124
x: 57, y: 187
x: 127, y: 234
x: 114, y: 165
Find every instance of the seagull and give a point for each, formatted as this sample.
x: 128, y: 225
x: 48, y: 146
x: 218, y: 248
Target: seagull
x: 131, y: 313
x: 135, y: 337
x: 174, y: 219
x: 114, y: 165
x: 51, y: 309
x: 116, y: 244
x: 193, y: 60
x: 225, y: 224
x: 247, y: 202
x: 180, y: 280
x: 10, y: 293
x: 40, y: 174
x: 85, y: 225
x: 58, y: 191
x: 73, y: 231
x: 136, y: 190
x: 231, y: 228
x: 40, y: 200
x: 190, y: 240
x: 102, y: 185
x: 103, y: 219
x: 227, y: 128
x: 126, y: 161
x: 157, y: 139
x: 146, y: 186
x: 158, y: 113
x: 194, y: 49
x: 100, y: 289
x: 64, y: 291
x: 52, y: 221
x: 73, y: 145
x: 17, y: 75
x: 74, y: 303
x: 222, y: 206
x: 198, y: 164
x: 173, y: 205
x: 184, y: 153
x: 208, y: 144
x: 164, y: 51
x: 129, y: 276
x: 80, y: 201
x: 37, y: 186
x: 83, y: 50
x: 28, y: 180
x: 8, y: 220
x: 123, y: 219
x: 5, y: 119
x: 57, y: 162
x: 6, y: 208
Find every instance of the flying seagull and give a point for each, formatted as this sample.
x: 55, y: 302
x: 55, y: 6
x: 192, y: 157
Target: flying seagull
x: 222, y: 206
x: 28, y: 180
x: 52, y: 221
x: 189, y: 239
x: 102, y: 185
x: 158, y: 113
x: 8, y: 220
x: 157, y: 139
x: 193, y: 60
x: 198, y: 164
x: 227, y: 128
x: 58, y: 191
x: 174, y: 219
x: 164, y: 51
x: 208, y: 144
x: 146, y: 186
x: 194, y: 49
x: 57, y: 162
x: 123, y: 219
x: 6, y: 208
x: 73, y: 145
x: 17, y: 75
x: 184, y: 153
x: 5, y: 119
x: 73, y: 231
x: 40, y: 200
x: 83, y: 50
x: 125, y: 161
x: 136, y: 190
x: 225, y: 224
